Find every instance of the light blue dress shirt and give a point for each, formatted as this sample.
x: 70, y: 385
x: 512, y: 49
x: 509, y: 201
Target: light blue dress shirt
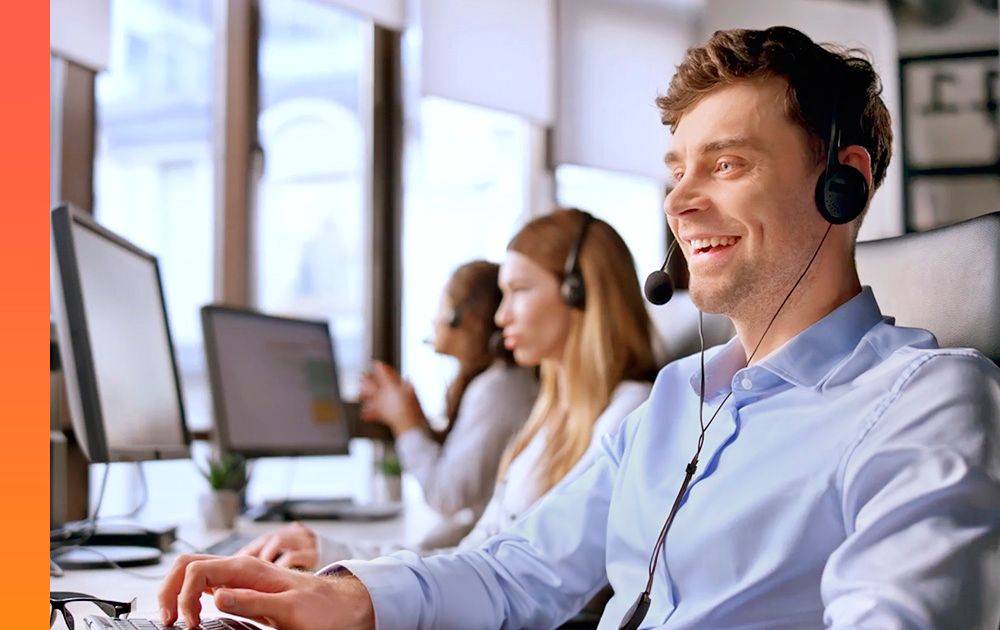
x: 851, y: 481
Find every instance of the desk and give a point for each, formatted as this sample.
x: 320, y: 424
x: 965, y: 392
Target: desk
x: 408, y: 528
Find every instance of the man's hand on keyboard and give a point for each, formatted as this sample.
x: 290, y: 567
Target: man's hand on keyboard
x: 261, y: 591
x: 294, y: 545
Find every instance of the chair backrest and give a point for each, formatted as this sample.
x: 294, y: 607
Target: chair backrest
x: 946, y: 281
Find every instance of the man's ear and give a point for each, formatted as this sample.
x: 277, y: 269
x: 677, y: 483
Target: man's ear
x: 857, y: 156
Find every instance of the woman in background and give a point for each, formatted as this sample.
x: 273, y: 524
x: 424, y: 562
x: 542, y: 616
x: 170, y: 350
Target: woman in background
x: 594, y: 348
x: 485, y: 404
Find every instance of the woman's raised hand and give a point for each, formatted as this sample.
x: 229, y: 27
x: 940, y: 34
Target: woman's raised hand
x: 386, y: 397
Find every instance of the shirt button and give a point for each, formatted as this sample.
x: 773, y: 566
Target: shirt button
x: 746, y: 384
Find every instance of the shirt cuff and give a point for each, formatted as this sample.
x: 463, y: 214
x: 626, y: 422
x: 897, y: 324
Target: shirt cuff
x: 394, y: 589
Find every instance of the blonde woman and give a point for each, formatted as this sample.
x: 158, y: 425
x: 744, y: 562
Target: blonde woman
x: 596, y: 356
x: 572, y: 306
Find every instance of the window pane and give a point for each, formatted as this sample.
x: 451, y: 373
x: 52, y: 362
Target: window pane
x: 153, y: 183
x: 632, y: 205
x: 467, y: 186
x: 153, y: 165
x: 312, y: 205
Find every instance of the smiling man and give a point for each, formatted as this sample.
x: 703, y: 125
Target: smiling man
x: 824, y: 468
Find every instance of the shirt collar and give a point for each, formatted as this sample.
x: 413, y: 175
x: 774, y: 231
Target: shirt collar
x: 807, y: 359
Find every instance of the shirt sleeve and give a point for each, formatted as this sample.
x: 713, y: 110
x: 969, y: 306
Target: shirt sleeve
x: 461, y: 473
x: 536, y: 574
x: 921, y: 502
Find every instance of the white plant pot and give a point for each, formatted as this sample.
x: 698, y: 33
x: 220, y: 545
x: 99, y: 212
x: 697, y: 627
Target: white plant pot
x: 219, y: 508
x: 387, y: 488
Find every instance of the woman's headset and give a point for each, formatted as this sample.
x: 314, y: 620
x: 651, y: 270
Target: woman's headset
x: 572, y: 289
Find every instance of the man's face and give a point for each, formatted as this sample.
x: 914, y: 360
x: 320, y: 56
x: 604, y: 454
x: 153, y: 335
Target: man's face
x: 742, y: 206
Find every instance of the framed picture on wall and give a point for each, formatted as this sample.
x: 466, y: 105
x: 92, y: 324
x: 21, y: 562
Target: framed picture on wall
x: 951, y: 137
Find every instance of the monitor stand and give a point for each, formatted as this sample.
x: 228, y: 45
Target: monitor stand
x: 324, y: 509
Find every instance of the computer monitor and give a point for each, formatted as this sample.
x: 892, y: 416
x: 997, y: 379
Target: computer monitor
x: 274, y: 384
x: 117, y: 353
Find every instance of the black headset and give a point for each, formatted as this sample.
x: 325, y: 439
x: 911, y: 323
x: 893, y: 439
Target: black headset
x: 495, y: 341
x: 572, y: 289
x: 841, y: 191
x: 455, y: 319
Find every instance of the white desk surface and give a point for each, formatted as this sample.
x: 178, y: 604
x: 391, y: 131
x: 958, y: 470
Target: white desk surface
x: 115, y: 584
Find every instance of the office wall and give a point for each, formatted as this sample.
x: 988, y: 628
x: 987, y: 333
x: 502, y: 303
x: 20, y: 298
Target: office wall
x: 950, y: 109
x: 971, y: 27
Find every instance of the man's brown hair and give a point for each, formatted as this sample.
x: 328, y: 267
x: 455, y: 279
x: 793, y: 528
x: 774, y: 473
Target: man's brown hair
x: 821, y: 80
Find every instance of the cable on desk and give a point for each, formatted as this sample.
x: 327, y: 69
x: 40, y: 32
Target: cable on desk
x: 96, y: 551
x: 144, y: 487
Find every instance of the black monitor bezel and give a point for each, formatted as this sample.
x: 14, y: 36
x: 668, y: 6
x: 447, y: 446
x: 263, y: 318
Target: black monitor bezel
x: 218, y: 399
x: 95, y: 437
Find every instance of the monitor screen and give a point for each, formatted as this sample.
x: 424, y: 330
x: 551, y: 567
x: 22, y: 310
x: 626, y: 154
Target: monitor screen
x: 274, y: 384
x: 115, y: 344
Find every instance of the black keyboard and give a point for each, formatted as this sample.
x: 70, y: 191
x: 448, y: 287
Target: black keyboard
x: 106, y: 623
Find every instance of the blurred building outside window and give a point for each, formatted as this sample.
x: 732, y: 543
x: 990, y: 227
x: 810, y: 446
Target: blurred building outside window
x: 310, y: 230
x: 154, y: 185
x: 311, y: 225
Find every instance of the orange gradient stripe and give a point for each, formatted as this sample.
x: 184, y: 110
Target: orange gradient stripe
x: 24, y: 309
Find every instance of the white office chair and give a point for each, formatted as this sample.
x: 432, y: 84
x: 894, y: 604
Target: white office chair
x: 676, y: 325
x: 946, y: 281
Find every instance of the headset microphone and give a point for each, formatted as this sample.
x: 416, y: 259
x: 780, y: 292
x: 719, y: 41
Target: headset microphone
x: 659, y: 288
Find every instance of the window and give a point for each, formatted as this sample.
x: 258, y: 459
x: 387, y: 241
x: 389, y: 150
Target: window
x: 632, y: 205
x: 467, y: 186
x: 153, y: 183
x: 311, y: 230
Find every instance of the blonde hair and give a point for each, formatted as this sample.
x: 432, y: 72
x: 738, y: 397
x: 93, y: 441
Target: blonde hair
x: 609, y: 341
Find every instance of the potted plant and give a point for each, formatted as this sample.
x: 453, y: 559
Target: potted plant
x: 227, y: 477
x: 388, y: 486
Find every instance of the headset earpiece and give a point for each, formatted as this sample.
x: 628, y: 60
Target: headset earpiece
x: 841, y: 194
x: 572, y: 289
x: 573, y: 292
x: 841, y: 191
